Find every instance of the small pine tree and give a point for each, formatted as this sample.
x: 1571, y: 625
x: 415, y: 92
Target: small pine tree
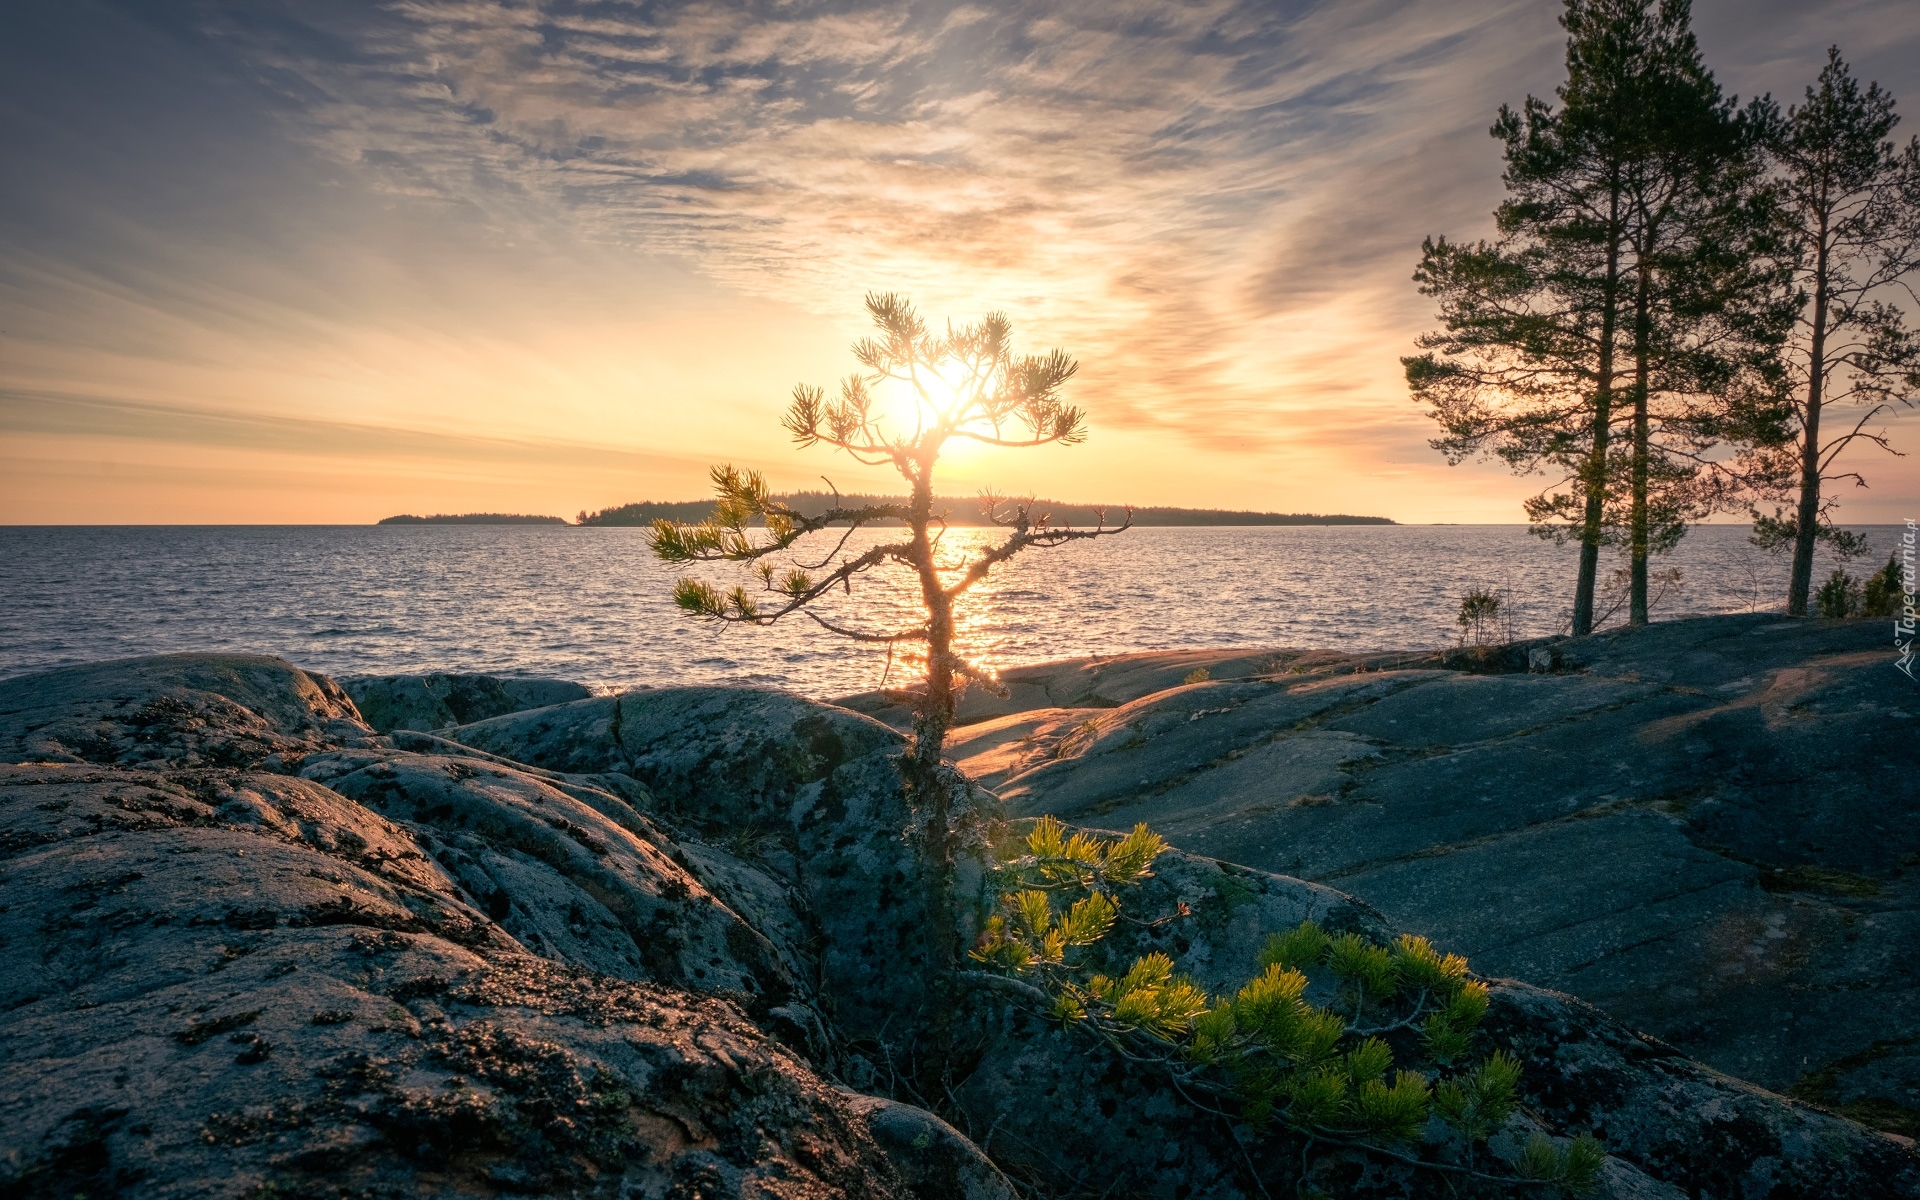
x: 1479, y: 616
x: 966, y: 384
x: 1885, y: 591
x: 1839, y: 596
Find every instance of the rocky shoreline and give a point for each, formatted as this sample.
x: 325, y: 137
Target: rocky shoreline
x: 274, y: 935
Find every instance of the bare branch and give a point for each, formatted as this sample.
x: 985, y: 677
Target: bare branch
x: 906, y: 635
x: 1023, y: 537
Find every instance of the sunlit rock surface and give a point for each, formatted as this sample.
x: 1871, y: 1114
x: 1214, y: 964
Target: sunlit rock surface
x: 256, y: 948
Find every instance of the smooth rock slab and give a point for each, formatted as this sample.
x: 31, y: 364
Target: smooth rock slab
x: 1628, y: 828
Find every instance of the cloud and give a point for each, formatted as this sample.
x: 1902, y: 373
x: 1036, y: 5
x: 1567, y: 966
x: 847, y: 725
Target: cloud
x: 1160, y: 188
x: 40, y: 414
x: 496, y: 215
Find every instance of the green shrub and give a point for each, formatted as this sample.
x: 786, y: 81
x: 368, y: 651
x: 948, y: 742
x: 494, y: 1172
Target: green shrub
x: 1479, y: 616
x: 1885, y: 591
x: 1839, y: 596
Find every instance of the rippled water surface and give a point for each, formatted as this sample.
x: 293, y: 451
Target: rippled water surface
x: 592, y: 605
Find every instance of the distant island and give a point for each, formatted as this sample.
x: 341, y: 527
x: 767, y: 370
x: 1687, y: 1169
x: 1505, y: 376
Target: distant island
x: 966, y: 511
x: 472, y: 519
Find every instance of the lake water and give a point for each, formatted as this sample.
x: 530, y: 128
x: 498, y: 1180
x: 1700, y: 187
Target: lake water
x: 592, y: 604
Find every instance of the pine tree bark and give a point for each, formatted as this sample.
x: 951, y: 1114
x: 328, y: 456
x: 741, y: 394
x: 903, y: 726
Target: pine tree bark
x: 1800, y: 582
x: 1637, y: 518
x: 1595, y: 480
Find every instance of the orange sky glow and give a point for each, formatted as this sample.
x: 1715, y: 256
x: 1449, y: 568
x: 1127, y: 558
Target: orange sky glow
x: 447, y: 255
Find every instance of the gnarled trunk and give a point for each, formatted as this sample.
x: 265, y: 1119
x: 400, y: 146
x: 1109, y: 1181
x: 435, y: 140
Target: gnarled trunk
x: 927, y: 788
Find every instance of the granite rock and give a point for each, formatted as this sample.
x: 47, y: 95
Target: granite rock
x: 807, y: 792
x: 233, y: 981
x: 1708, y: 827
x: 223, y: 710
x: 272, y: 952
x: 242, y: 987
x: 437, y: 701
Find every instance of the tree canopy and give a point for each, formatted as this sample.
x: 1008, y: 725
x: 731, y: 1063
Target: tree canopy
x: 963, y: 383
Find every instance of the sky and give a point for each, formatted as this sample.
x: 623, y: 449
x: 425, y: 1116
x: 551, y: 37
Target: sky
x: 325, y: 261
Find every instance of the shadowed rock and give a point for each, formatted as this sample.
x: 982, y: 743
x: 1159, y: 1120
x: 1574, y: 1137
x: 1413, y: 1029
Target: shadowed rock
x: 265, y: 987
x: 1060, y: 1105
x: 577, y: 877
x: 438, y: 701
x: 937, y: 1162
x: 184, y: 709
x: 808, y: 792
x: 816, y: 786
x: 234, y: 982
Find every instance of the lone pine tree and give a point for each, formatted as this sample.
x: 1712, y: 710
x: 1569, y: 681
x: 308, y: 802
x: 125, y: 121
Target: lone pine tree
x: 1701, y: 324
x: 1851, y: 204
x: 965, y: 384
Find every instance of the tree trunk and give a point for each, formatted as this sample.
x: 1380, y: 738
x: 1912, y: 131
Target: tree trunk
x: 926, y: 788
x: 1590, y: 537
x: 1637, y: 553
x: 1595, y: 482
x: 1807, y: 527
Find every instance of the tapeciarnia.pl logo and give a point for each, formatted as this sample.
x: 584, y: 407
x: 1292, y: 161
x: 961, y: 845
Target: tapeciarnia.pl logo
x: 1903, y: 624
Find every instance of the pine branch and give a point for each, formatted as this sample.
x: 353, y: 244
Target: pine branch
x: 1006, y: 983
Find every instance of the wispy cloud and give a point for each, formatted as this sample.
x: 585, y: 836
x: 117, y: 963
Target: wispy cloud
x: 555, y: 222
x: 58, y: 415
x: 1203, y: 200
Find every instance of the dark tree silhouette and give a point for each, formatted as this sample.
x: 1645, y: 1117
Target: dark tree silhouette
x: 1851, y: 202
x: 967, y: 384
x: 1612, y: 332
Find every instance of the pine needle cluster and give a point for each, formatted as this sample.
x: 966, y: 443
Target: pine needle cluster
x: 1387, y: 1056
x: 1844, y: 596
x: 1028, y: 933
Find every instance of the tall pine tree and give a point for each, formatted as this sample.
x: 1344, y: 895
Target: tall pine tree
x: 1691, y: 162
x: 1851, y: 203
x: 1610, y: 332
